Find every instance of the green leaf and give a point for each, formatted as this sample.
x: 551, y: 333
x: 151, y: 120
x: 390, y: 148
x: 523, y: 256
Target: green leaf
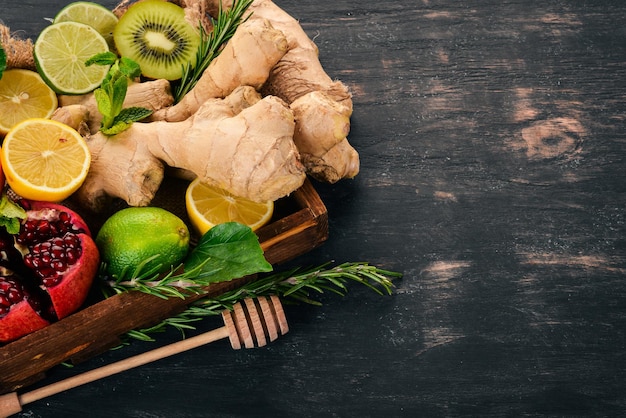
x: 103, y: 102
x: 124, y: 119
x: 104, y: 58
x: 132, y: 114
x: 120, y: 86
x: 10, y: 215
x: 12, y: 225
x: 129, y: 68
x: 3, y: 61
x: 115, y: 128
x: 230, y: 248
x: 111, y: 94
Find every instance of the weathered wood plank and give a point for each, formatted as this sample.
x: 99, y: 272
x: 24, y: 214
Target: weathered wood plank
x: 492, y: 147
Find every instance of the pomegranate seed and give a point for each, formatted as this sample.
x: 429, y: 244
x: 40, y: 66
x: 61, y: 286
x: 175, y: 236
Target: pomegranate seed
x: 51, y: 258
x: 11, y: 292
x: 52, y: 280
x: 56, y: 224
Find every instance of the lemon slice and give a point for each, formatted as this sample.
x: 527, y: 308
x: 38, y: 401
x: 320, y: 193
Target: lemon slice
x: 44, y: 160
x: 61, y: 51
x: 93, y: 14
x: 24, y: 95
x: 208, y: 206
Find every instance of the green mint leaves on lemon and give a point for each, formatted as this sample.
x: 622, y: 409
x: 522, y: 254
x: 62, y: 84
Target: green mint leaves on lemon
x: 112, y: 92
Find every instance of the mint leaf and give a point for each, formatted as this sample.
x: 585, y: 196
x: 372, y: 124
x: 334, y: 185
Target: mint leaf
x: 124, y: 119
x: 129, y: 68
x: 133, y: 114
x: 115, y: 128
x: 119, y: 87
x: 111, y: 94
x: 103, y: 101
x: 104, y: 58
x: 12, y: 225
x: 229, y: 250
x: 3, y: 61
x: 10, y: 215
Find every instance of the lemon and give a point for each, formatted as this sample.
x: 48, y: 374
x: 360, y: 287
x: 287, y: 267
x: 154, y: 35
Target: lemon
x: 44, y: 159
x: 93, y: 14
x: 24, y: 95
x: 61, y: 51
x: 208, y: 206
x: 133, y: 235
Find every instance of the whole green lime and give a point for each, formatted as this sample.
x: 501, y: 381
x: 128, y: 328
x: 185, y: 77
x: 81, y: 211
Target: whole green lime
x: 133, y: 235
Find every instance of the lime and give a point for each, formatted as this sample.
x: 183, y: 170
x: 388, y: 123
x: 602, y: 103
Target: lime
x: 208, y: 206
x: 93, y: 14
x: 134, y: 235
x: 44, y: 160
x: 61, y: 51
x: 24, y: 95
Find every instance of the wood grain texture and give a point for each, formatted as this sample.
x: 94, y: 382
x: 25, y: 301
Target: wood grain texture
x: 492, y: 145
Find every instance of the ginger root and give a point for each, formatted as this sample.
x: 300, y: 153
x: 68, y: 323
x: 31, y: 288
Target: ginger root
x: 246, y: 60
x: 75, y: 116
x: 242, y: 143
x: 298, y: 74
x: 289, y: 68
x: 320, y: 136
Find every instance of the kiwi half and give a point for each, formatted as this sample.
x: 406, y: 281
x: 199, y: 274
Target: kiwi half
x: 156, y: 35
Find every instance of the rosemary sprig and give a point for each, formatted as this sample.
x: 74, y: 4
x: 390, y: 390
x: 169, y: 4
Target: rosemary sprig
x: 224, y: 28
x: 175, y: 283
x: 294, y: 286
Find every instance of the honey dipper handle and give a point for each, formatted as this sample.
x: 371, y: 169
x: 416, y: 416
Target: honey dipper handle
x: 250, y: 324
x: 122, y: 365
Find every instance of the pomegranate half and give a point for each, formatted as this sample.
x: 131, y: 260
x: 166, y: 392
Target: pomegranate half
x: 47, y: 269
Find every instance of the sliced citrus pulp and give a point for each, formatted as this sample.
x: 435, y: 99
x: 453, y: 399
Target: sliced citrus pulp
x: 93, y: 14
x: 61, y: 51
x: 24, y: 95
x: 44, y: 160
x: 208, y: 206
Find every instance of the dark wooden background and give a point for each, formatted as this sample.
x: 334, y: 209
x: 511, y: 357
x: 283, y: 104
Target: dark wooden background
x: 492, y: 144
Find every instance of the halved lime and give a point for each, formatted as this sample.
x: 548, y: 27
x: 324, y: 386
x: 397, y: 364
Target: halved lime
x: 61, y: 51
x: 93, y: 14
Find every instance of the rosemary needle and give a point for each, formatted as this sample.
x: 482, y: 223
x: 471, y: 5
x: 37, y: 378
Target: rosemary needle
x: 296, y: 285
x: 224, y: 28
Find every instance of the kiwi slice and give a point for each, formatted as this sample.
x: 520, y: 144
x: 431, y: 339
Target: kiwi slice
x: 156, y: 35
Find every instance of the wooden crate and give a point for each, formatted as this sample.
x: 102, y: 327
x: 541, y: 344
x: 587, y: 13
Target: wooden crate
x: 300, y: 224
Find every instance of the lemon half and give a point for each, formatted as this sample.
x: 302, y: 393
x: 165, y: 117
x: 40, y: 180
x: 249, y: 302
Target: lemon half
x: 208, y: 206
x: 44, y: 160
x: 24, y: 95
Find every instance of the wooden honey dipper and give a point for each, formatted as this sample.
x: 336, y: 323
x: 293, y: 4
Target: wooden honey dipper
x: 250, y: 324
